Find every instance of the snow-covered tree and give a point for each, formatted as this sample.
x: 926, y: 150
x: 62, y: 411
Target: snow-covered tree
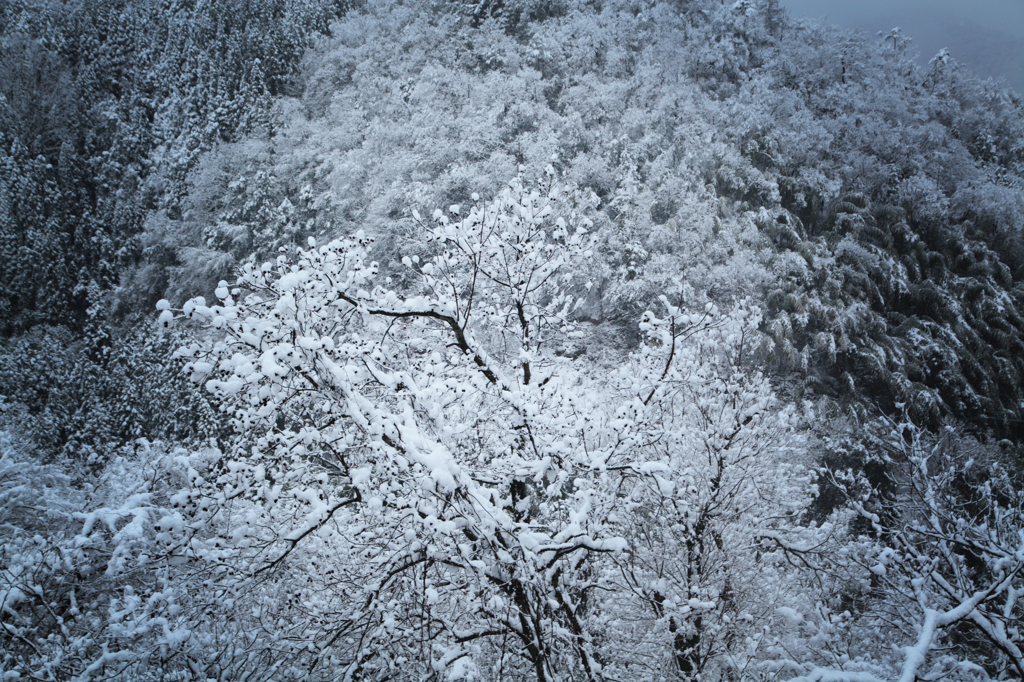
x: 466, y: 493
x: 727, y: 480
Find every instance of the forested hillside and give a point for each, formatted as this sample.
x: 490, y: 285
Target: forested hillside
x: 504, y: 340
x: 105, y: 110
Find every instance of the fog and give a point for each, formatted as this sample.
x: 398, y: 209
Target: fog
x: 986, y: 36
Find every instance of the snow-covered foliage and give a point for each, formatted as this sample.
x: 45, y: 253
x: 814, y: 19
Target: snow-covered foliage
x: 732, y: 391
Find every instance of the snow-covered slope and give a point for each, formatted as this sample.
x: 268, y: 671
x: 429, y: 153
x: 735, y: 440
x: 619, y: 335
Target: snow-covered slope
x: 874, y: 208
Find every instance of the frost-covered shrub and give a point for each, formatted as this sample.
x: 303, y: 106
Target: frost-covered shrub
x: 930, y: 582
x: 87, y: 588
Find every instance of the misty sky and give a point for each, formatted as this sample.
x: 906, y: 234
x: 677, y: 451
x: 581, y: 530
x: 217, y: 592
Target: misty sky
x: 987, y: 36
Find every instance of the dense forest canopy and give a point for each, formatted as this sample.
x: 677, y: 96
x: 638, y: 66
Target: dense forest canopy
x: 504, y: 340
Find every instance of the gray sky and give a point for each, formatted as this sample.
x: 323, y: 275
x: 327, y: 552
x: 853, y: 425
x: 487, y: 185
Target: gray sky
x: 987, y: 36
